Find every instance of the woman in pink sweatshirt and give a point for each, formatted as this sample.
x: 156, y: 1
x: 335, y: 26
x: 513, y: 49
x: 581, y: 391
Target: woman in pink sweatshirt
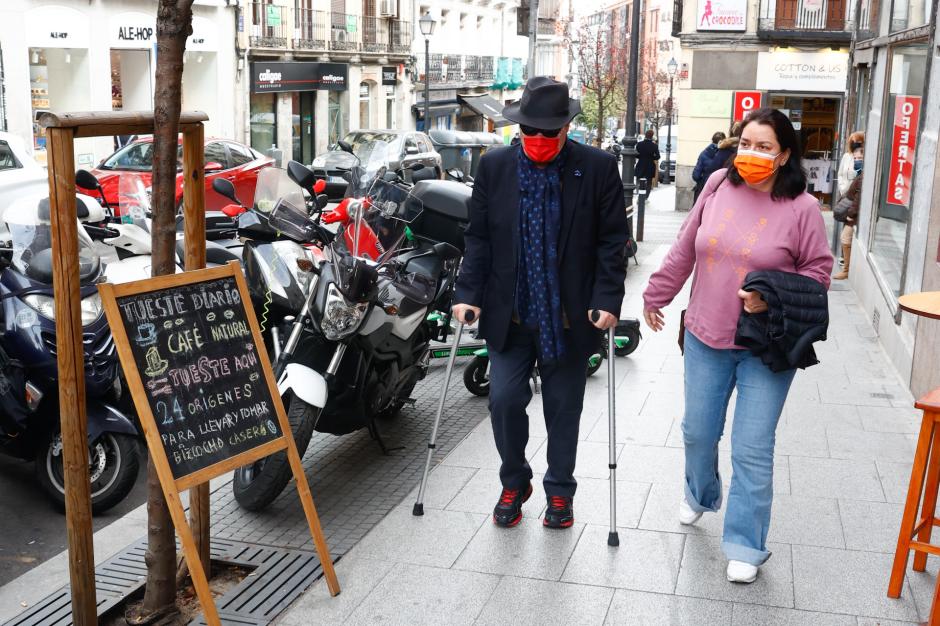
x: 756, y: 215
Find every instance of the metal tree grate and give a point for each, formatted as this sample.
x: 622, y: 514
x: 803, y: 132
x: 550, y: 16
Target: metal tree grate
x: 279, y: 576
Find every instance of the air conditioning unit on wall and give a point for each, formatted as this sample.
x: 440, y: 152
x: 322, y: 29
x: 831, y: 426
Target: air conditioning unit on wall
x: 388, y: 8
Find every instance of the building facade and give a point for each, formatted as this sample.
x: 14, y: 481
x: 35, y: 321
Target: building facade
x: 894, y: 93
x: 478, y: 55
x: 741, y: 54
x: 80, y: 55
x: 310, y: 71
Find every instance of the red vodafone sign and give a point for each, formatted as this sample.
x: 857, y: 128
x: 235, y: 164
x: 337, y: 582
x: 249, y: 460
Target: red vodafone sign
x: 903, y: 145
x: 745, y: 102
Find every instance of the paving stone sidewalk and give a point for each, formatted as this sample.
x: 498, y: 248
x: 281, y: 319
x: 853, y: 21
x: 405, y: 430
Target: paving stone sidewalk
x: 844, y: 448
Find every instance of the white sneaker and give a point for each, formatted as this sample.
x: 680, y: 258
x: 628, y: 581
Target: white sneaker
x: 741, y: 572
x: 687, y: 515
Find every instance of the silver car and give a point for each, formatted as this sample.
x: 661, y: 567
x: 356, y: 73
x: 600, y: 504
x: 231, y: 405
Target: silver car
x: 408, y: 146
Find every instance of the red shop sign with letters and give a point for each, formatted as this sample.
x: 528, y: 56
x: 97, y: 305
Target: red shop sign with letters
x: 745, y: 102
x: 903, y: 145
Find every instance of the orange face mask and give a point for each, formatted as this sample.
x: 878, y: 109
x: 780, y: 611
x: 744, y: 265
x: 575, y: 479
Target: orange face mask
x: 755, y: 167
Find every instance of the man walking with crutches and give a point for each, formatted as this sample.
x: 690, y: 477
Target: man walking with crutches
x: 544, y: 272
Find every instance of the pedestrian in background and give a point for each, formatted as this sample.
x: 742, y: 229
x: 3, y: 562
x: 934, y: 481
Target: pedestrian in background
x: 756, y: 215
x: 544, y: 250
x: 647, y: 156
x: 850, y: 167
x: 705, y: 158
x: 727, y: 148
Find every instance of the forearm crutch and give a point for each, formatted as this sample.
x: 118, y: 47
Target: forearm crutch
x: 432, y: 442
x: 613, y: 539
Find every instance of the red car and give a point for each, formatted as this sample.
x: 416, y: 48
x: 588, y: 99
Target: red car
x: 223, y: 158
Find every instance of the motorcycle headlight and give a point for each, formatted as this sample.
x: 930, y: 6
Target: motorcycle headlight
x: 340, y: 317
x: 45, y: 306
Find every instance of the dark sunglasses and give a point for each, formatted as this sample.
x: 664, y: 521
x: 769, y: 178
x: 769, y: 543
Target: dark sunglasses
x: 529, y: 130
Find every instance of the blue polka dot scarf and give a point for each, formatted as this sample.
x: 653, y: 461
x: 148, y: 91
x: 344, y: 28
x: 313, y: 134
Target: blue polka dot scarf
x: 538, y: 290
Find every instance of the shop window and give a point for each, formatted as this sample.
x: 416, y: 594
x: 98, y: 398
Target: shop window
x: 899, y: 139
x: 364, y: 105
x: 263, y: 121
x: 337, y: 117
x: 58, y: 82
x: 910, y: 14
x: 863, y: 97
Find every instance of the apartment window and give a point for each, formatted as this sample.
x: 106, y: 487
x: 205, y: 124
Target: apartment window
x: 907, y: 14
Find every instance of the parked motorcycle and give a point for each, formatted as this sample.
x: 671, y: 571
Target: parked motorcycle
x: 357, y: 346
x: 30, y: 419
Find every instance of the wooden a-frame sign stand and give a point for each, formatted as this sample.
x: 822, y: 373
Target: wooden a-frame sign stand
x: 61, y: 132
x: 110, y: 294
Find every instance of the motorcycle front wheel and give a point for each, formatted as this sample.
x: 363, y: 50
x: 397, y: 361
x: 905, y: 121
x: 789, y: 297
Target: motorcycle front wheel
x: 255, y: 486
x: 113, y: 463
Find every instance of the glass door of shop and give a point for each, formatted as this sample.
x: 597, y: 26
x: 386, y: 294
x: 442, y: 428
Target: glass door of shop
x: 302, y: 126
x: 816, y: 121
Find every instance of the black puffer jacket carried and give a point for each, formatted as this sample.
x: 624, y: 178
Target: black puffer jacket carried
x: 797, y: 316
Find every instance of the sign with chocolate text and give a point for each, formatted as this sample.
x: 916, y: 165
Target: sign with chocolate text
x: 722, y: 15
x: 903, y: 147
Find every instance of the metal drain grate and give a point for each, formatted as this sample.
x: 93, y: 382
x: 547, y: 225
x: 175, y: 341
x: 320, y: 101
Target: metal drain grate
x: 279, y: 577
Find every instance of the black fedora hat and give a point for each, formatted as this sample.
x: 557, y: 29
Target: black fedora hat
x: 544, y: 104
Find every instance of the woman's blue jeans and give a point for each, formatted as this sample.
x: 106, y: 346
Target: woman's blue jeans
x: 710, y: 377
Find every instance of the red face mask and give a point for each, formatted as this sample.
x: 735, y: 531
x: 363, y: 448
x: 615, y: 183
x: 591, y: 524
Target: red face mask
x: 542, y: 149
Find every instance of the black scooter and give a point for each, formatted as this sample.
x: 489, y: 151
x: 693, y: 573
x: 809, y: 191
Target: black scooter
x: 29, y: 402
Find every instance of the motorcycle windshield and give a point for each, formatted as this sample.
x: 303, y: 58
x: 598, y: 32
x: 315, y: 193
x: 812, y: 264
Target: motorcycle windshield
x: 134, y: 198
x: 28, y: 226
x: 379, y: 211
x: 275, y: 188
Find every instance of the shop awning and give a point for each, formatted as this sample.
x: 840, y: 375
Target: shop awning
x: 486, y: 106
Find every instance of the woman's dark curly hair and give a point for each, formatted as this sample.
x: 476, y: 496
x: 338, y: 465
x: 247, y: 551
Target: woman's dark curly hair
x: 791, y: 180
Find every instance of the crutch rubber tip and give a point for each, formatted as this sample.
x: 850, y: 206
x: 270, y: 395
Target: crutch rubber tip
x: 613, y: 539
x: 418, y: 509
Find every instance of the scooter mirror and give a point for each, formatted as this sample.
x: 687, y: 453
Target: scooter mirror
x: 225, y: 188
x: 86, y: 180
x: 301, y: 175
x: 344, y: 146
x: 446, y: 251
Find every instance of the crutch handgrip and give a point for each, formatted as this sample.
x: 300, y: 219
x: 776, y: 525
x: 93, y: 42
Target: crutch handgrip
x: 469, y: 315
x: 595, y: 315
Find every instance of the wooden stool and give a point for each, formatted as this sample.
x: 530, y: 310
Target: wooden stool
x: 919, y: 522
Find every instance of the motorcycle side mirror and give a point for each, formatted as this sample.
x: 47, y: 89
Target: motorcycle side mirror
x: 300, y: 174
x: 345, y: 146
x: 391, y: 177
x: 86, y: 180
x: 225, y: 188
x: 322, y: 201
x: 446, y: 251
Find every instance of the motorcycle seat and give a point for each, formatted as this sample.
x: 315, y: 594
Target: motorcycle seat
x: 216, y: 254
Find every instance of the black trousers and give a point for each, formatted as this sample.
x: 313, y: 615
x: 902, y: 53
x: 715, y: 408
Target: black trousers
x: 510, y: 393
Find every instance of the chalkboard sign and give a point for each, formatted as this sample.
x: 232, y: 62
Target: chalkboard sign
x: 199, y: 373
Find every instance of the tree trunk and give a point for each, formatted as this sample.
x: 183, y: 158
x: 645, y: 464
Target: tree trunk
x: 174, y: 25
x: 601, y: 122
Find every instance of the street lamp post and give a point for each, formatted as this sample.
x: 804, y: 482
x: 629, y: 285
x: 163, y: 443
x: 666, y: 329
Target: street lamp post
x: 629, y: 136
x: 427, y: 25
x: 671, y: 67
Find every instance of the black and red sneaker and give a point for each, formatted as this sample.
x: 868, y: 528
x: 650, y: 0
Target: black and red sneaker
x: 508, y: 511
x: 560, y: 512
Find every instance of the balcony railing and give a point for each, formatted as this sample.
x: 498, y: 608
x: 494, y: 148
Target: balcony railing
x: 275, y: 26
x: 269, y: 25
x: 806, y: 19
x: 310, y: 29
x: 471, y: 67
x: 487, y: 71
